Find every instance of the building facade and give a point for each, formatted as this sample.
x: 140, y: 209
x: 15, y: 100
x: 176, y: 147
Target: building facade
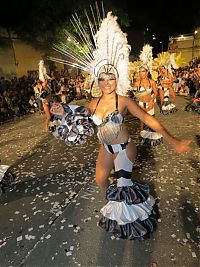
x: 187, y: 44
x: 18, y: 58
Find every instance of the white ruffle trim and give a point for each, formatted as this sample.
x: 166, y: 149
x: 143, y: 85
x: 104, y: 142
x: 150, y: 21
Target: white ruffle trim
x: 3, y: 169
x: 150, y: 135
x: 124, y: 213
x: 168, y: 107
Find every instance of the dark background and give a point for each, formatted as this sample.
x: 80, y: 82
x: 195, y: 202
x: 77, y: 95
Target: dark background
x: 42, y: 19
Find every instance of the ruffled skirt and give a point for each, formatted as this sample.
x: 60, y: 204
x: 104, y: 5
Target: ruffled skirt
x: 130, y: 212
x: 168, y: 107
x: 150, y: 137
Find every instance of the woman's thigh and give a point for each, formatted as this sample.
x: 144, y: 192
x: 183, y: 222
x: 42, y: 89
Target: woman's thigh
x: 104, y: 164
x: 131, y: 151
x: 161, y: 92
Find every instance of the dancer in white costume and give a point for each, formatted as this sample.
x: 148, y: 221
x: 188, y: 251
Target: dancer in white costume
x: 146, y: 92
x: 129, y: 212
x: 166, y: 90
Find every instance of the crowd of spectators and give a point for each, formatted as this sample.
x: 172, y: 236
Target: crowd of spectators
x: 187, y: 79
x: 21, y: 96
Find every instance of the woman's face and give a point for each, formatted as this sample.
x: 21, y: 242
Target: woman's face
x: 143, y: 73
x: 107, y: 83
x: 164, y: 70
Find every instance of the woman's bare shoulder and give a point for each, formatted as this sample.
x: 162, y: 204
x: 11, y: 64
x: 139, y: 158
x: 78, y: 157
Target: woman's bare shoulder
x: 125, y: 100
x: 92, y: 104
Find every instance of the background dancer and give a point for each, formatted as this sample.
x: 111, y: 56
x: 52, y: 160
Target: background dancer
x: 166, y: 90
x: 146, y: 92
x: 45, y: 94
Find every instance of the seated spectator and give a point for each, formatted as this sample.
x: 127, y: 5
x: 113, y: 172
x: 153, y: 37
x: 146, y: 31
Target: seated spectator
x: 33, y: 104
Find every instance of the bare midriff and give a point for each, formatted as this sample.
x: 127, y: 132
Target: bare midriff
x: 146, y: 97
x: 122, y: 137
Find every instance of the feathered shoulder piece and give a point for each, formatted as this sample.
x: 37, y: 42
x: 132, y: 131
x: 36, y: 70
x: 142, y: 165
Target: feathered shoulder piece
x: 103, y: 49
x: 169, y: 61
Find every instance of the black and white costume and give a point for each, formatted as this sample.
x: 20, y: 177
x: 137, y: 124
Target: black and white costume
x: 129, y: 212
x: 167, y: 106
x: 148, y: 135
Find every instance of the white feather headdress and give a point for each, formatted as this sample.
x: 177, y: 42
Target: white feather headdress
x: 107, y: 51
x: 146, y: 57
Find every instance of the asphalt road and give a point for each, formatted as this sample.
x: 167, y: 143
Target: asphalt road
x: 50, y: 218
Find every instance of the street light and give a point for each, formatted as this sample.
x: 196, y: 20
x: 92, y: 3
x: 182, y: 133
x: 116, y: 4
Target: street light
x: 161, y: 42
x: 195, y: 32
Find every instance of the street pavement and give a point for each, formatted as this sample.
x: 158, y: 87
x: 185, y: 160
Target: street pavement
x: 51, y: 216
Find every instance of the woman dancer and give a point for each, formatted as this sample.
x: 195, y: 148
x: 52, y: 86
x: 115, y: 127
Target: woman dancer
x: 166, y: 89
x: 146, y: 93
x: 129, y: 212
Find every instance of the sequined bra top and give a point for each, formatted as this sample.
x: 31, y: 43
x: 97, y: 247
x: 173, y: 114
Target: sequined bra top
x: 141, y: 91
x: 109, y: 128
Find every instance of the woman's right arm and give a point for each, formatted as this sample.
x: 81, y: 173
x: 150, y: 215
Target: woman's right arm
x: 91, y: 105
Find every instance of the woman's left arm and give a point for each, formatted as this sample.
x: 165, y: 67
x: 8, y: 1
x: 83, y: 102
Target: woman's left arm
x: 153, y: 96
x: 155, y: 90
x: 180, y: 146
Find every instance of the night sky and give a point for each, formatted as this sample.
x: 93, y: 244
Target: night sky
x: 162, y: 18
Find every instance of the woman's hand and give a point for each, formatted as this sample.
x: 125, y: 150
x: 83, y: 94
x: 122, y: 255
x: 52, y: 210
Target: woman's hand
x: 182, y: 146
x: 150, y: 104
x: 57, y: 109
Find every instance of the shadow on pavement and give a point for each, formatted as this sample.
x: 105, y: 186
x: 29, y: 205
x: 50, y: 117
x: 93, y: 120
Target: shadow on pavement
x: 191, y: 223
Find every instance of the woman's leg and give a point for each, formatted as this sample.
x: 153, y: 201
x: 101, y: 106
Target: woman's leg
x: 131, y: 151
x: 161, y: 96
x: 104, y: 165
x: 172, y: 93
x: 141, y: 104
x: 48, y: 115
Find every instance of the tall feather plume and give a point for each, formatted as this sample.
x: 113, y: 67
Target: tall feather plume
x: 43, y: 72
x: 78, y: 47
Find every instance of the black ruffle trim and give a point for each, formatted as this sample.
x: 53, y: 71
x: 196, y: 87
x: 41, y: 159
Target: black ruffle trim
x: 134, y: 194
x: 135, y: 230
x: 166, y: 112
x: 152, y: 142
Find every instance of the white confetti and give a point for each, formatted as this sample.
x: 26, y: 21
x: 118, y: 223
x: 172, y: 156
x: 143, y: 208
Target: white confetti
x: 188, y: 235
x: 69, y: 253
x: 19, y: 238
x: 29, y: 237
x: 3, y: 244
x: 194, y: 254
